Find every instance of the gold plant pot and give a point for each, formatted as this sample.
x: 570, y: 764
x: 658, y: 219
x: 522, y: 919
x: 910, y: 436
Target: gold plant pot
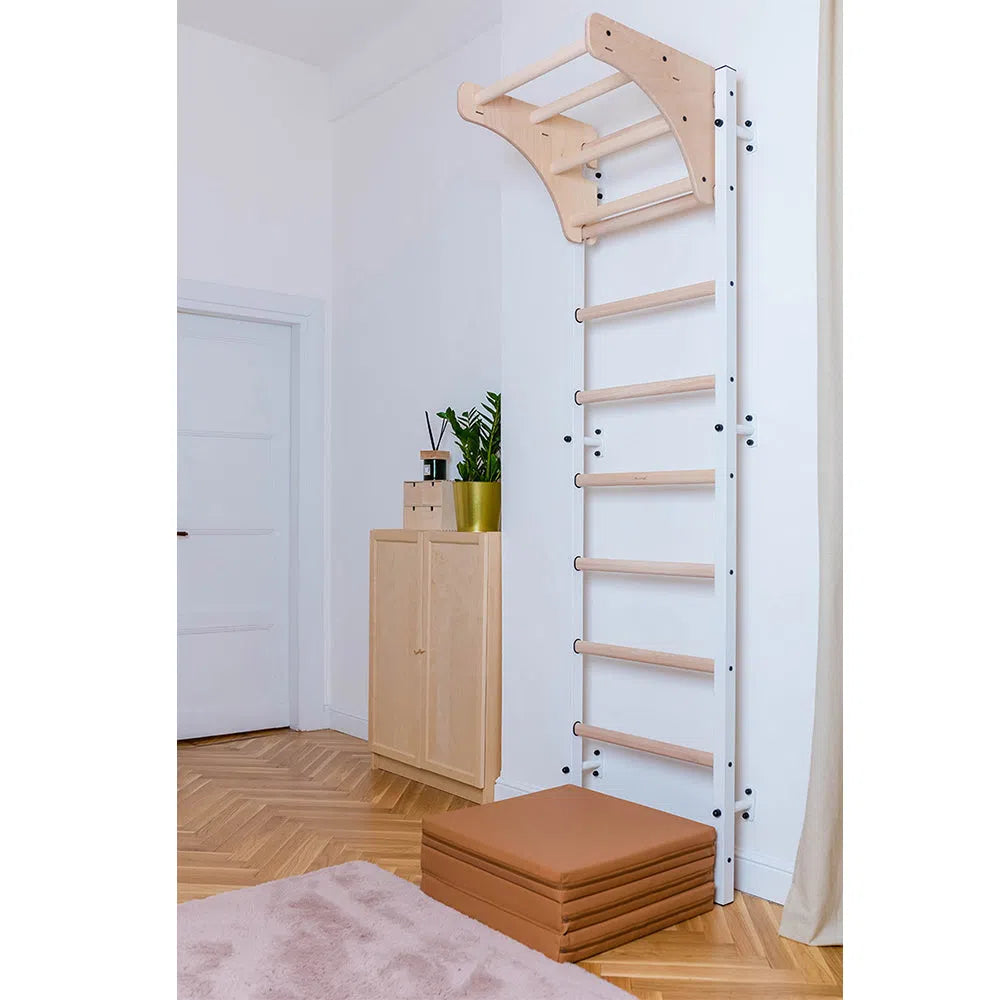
x: 477, y: 506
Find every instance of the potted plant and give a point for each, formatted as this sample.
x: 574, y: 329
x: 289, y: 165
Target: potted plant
x: 477, y: 491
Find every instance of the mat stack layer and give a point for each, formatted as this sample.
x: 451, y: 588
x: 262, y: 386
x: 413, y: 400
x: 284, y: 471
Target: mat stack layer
x: 568, y: 871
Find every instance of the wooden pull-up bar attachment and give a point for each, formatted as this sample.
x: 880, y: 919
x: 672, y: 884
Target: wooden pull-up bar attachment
x: 673, y: 477
x: 539, y: 145
x: 578, y: 97
x: 661, y: 749
x: 680, y: 87
x: 672, y: 296
x: 615, y: 142
x: 532, y: 72
x: 641, y: 215
x: 648, y: 197
x: 642, y: 390
x: 699, y: 663
x: 698, y: 571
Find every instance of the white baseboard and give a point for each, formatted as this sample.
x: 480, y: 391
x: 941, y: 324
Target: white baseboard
x: 511, y: 789
x: 761, y: 877
x: 353, y: 725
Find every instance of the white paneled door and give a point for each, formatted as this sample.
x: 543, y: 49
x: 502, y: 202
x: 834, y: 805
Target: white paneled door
x: 233, y: 525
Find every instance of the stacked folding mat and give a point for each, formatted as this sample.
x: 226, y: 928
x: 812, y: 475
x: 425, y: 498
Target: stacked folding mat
x: 569, y: 871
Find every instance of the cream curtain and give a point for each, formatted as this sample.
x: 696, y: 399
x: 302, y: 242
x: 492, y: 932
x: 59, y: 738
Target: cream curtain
x: 814, y: 908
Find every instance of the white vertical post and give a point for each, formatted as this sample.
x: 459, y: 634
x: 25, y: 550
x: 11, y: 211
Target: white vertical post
x: 726, y: 387
x: 577, y: 351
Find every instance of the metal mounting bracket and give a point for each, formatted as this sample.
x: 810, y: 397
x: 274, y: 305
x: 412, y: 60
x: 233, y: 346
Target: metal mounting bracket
x: 596, y: 766
x: 746, y: 132
x: 749, y: 428
x: 744, y: 808
x: 595, y: 441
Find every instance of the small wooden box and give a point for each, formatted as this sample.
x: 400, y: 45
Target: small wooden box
x: 428, y: 505
x: 426, y: 492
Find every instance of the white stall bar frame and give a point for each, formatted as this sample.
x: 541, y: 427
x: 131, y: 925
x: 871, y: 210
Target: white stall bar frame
x: 726, y: 492
x: 577, y: 350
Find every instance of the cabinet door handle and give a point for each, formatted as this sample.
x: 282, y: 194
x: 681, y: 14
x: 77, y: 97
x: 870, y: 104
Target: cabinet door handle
x: 417, y: 652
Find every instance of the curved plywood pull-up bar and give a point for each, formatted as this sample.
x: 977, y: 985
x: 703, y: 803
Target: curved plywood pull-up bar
x: 571, y: 192
x: 682, y: 89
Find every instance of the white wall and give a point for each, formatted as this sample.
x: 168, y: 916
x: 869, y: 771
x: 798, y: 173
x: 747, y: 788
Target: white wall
x: 416, y: 314
x: 421, y: 33
x: 254, y: 198
x: 773, y: 46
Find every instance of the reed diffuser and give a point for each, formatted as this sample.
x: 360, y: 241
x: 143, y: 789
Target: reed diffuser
x: 435, y: 461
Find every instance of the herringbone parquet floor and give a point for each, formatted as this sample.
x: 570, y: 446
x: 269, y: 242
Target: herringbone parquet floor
x: 265, y: 807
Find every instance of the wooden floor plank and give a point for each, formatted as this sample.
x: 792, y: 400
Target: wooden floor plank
x: 264, y: 806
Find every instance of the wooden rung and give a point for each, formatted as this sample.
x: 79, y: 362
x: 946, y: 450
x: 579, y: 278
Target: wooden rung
x: 624, y: 138
x: 658, y: 747
x: 700, y: 571
x: 683, y: 662
x: 532, y: 72
x: 686, y: 293
x: 648, y: 197
x: 578, y: 97
x: 672, y: 477
x: 641, y: 390
x: 641, y: 215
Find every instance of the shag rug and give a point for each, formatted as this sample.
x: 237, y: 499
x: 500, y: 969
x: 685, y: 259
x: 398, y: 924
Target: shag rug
x: 355, y: 932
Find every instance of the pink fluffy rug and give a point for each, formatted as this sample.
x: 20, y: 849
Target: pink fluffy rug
x: 355, y: 932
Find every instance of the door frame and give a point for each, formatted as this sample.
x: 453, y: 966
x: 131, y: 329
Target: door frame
x: 309, y: 470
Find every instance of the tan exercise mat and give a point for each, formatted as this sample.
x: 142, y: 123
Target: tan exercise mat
x: 571, y: 915
x: 578, y: 892
x: 568, y: 836
x: 579, y: 944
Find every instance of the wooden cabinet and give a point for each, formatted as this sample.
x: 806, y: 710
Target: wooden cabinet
x: 434, y: 658
x: 395, y: 682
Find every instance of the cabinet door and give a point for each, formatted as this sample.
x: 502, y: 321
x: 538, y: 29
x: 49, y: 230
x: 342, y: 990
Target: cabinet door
x: 455, y: 642
x: 396, y: 684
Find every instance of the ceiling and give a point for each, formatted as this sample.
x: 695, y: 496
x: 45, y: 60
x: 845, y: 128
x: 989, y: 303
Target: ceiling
x: 324, y: 33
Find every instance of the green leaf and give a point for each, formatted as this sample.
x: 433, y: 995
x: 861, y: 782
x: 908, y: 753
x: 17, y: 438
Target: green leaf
x: 477, y: 436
